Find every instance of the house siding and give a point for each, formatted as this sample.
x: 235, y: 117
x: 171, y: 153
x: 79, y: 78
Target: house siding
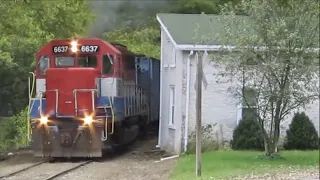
x: 218, y: 106
x: 171, y: 75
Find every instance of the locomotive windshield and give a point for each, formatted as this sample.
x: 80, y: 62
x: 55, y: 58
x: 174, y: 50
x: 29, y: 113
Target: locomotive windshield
x: 64, y: 61
x: 87, y: 61
x: 44, y: 63
x: 70, y: 61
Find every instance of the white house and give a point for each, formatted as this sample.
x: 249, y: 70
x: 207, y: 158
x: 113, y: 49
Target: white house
x: 178, y: 72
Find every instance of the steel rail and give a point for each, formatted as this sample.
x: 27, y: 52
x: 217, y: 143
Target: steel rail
x: 68, y: 170
x: 22, y: 170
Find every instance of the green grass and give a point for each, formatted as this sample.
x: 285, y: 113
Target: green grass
x: 220, y: 164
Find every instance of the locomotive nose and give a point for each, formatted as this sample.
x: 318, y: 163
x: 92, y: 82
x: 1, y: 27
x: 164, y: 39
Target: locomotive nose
x: 70, y: 100
x: 71, y: 92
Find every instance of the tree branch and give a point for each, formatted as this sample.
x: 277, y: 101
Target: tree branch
x: 297, y: 104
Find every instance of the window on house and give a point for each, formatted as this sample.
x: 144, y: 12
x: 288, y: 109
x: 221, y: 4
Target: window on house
x: 171, y: 105
x: 44, y: 63
x: 249, y: 104
x: 107, y: 64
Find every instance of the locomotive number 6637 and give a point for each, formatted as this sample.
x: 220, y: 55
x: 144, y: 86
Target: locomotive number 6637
x: 83, y: 105
x: 89, y: 48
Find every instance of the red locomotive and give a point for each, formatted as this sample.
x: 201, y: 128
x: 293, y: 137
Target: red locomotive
x: 91, y: 95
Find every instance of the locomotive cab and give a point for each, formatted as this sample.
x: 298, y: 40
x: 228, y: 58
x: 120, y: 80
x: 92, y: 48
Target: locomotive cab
x: 90, y: 97
x: 66, y: 67
x: 68, y: 90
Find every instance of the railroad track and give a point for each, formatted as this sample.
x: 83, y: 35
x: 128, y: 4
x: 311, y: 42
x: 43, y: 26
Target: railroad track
x: 51, y: 177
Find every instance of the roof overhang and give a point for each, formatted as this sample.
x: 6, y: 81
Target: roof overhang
x: 166, y: 31
x: 198, y: 47
x: 190, y: 47
x: 229, y: 48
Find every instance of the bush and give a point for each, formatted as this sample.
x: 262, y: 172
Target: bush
x: 16, y: 131
x: 301, y: 135
x: 208, y: 143
x: 247, y: 136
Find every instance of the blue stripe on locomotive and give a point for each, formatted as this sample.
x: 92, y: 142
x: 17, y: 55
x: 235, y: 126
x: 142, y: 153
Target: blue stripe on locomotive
x: 148, y: 79
x: 35, y: 104
x: 119, y: 106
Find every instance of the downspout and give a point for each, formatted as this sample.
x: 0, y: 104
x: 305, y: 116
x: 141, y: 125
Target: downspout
x: 186, y: 130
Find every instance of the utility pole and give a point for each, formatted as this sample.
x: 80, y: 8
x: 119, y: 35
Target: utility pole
x: 198, y: 115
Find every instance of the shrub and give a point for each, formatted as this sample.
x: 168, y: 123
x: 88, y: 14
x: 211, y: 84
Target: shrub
x: 247, y: 136
x: 208, y: 143
x: 16, y: 131
x: 301, y: 135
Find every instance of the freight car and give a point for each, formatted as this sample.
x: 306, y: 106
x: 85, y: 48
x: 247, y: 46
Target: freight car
x: 91, y: 96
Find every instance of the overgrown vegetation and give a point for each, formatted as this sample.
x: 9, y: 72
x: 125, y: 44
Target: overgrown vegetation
x: 3, y: 122
x: 144, y: 40
x: 15, y: 132
x: 301, y: 135
x: 247, y: 136
x: 210, y: 140
x: 221, y: 164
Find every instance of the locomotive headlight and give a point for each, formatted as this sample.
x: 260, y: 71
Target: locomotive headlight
x: 43, y: 120
x: 88, y: 120
x: 74, y: 43
x: 74, y: 49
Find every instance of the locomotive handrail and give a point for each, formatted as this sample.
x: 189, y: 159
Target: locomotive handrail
x: 105, y: 136
x: 84, y: 90
x: 30, y: 106
x: 112, y: 115
x: 57, y: 100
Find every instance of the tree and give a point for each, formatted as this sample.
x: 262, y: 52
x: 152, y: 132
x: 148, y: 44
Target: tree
x: 301, y: 135
x: 273, y: 57
x: 199, y: 6
x: 26, y: 26
x: 112, y: 15
x: 144, y: 40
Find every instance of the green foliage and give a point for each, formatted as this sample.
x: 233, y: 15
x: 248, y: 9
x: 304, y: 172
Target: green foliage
x: 3, y: 121
x: 144, y: 40
x: 196, y: 7
x: 301, y: 135
x: 16, y: 130
x: 26, y: 26
x: 199, y: 6
x: 247, y: 136
x: 208, y: 141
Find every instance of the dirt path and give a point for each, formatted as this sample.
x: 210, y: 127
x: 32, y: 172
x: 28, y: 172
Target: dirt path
x: 19, y: 161
x: 139, y: 162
